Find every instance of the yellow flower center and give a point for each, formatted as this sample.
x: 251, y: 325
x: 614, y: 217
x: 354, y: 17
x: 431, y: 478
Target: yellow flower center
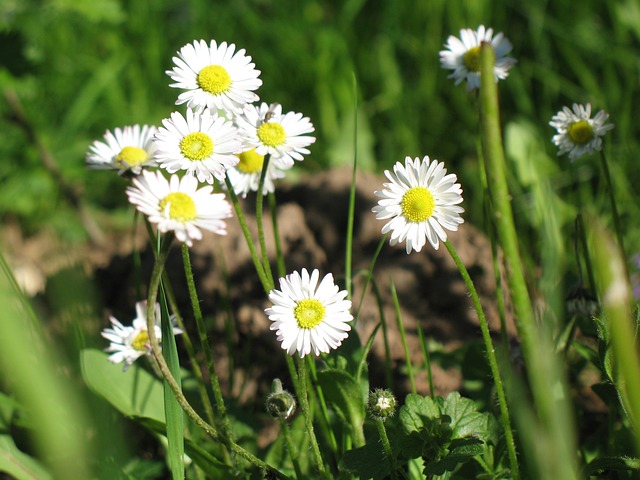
x: 580, y: 132
x: 471, y: 59
x: 271, y: 134
x: 214, y: 79
x: 417, y: 204
x: 309, y: 313
x: 196, y: 146
x: 141, y: 341
x: 130, y: 156
x: 181, y: 206
x: 250, y: 161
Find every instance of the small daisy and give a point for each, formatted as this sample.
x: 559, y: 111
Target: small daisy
x: 214, y: 76
x: 245, y: 176
x: 177, y: 205
x: 420, y: 200
x: 308, y: 316
x: 202, y: 144
x: 283, y: 137
x: 462, y: 55
x: 578, y: 133
x: 130, y: 343
x: 126, y: 149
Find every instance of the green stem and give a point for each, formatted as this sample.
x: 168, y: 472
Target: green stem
x: 308, y: 415
x: 493, y: 362
x: 614, y: 207
x: 403, y: 337
x: 427, y: 360
x: 387, y: 448
x: 293, y: 453
x: 372, y: 265
x: 282, y: 269
x: 267, y: 282
x: 156, y: 277
x: 259, y: 211
x: 204, y: 344
x: 186, y: 339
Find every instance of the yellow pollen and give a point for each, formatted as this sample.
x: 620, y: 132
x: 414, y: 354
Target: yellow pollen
x: 580, y: 132
x: 181, y: 206
x: 471, y: 59
x: 250, y: 161
x: 130, y: 156
x: 196, y: 146
x: 214, y: 79
x: 271, y: 134
x: 141, y: 341
x: 309, y: 313
x: 417, y: 204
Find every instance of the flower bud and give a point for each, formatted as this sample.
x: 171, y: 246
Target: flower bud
x: 280, y: 403
x: 381, y: 404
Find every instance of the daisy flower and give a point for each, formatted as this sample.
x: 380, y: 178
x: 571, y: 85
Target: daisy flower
x: 131, y: 342
x: 309, y: 316
x: 125, y: 149
x: 578, y: 133
x: 421, y: 200
x: 245, y: 176
x: 462, y: 55
x: 267, y: 130
x: 202, y: 144
x: 177, y: 205
x: 214, y: 76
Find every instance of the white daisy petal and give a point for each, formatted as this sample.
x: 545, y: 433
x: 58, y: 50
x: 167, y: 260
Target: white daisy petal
x: 202, y: 144
x: 129, y: 343
x: 215, y: 76
x: 265, y: 129
x: 176, y: 205
x: 578, y: 133
x: 129, y: 149
x: 309, y: 313
x: 419, y: 203
x: 462, y: 56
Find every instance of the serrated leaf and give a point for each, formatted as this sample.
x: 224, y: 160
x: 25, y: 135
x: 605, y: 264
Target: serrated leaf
x: 367, y: 462
x: 416, y: 410
x: 603, y: 464
x: 461, y: 451
x: 466, y: 421
x: 18, y: 464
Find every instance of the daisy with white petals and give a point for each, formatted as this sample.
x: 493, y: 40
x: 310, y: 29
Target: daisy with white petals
x: 125, y: 149
x: 214, y: 76
x: 178, y: 205
x: 578, y: 133
x: 269, y: 131
x: 131, y: 342
x: 308, y: 316
x: 421, y: 200
x: 245, y: 176
x: 202, y: 144
x: 462, y: 55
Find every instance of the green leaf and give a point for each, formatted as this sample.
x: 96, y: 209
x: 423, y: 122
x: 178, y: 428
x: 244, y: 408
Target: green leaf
x: 466, y: 421
x: 343, y: 392
x: 366, y: 462
x: 135, y: 393
x: 172, y: 410
x: 18, y: 464
x: 603, y: 464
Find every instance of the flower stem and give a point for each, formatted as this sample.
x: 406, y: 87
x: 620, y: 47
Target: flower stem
x: 259, y: 211
x: 204, y: 344
x: 267, y: 282
x: 284, y: 427
x: 491, y: 357
x: 308, y: 415
x: 614, y: 208
x: 387, y: 448
x: 282, y: 269
x: 154, y: 283
x: 403, y: 337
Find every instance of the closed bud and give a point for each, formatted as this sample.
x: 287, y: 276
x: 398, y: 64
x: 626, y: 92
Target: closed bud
x: 280, y: 403
x: 381, y: 404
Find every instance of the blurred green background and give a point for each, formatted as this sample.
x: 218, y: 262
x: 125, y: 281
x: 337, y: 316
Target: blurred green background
x: 79, y: 67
